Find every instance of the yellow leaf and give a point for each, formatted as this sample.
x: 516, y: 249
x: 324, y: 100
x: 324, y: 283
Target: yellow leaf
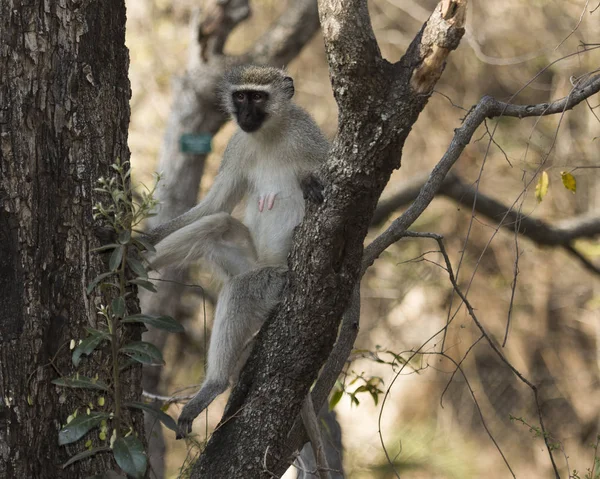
x: 541, y: 189
x: 101, y: 401
x: 569, y: 181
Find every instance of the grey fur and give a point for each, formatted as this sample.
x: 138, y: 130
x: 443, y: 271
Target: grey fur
x: 269, y: 168
x: 243, y: 305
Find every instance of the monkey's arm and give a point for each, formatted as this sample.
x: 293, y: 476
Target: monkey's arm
x: 315, y: 152
x: 227, y: 191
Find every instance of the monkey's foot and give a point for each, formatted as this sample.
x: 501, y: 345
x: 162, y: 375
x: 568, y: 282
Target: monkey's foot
x: 268, y: 200
x: 208, y: 392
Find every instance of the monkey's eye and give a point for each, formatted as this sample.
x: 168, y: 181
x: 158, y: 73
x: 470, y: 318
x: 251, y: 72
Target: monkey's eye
x: 258, y: 96
x: 239, y: 96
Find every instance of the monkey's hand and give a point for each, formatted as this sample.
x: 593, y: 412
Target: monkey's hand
x: 312, y: 188
x: 267, y: 200
x: 208, y: 392
x: 184, y: 423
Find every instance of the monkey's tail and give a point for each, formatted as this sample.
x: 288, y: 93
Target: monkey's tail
x: 220, y: 239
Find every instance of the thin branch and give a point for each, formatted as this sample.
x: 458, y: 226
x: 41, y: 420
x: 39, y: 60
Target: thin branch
x: 513, y: 287
x: 587, y: 2
x: 487, y: 107
x: 167, y: 399
x: 544, y: 234
x: 490, y: 341
x: 462, y: 360
x: 479, y: 411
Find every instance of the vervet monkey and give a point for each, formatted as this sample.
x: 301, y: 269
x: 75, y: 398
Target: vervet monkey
x: 269, y: 161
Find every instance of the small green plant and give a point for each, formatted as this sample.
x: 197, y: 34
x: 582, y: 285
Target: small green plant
x: 121, y: 214
x: 368, y: 385
x: 536, y: 431
x: 594, y: 471
x: 372, y: 384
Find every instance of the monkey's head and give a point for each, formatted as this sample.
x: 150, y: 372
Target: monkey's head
x: 256, y: 95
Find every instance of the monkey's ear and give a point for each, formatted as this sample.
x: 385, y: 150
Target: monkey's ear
x: 289, y: 86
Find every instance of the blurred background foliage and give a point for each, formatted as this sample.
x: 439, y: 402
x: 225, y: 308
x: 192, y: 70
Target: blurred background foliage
x: 554, y: 333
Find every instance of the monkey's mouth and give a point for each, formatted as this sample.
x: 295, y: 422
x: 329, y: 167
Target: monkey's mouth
x: 250, y: 126
x: 253, y: 122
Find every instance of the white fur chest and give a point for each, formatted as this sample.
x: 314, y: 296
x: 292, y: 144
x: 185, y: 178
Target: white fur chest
x: 275, y: 204
x: 271, y: 169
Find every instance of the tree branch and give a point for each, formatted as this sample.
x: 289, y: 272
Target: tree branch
x: 422, y: 192
x: 290, y: 33
x: 540, y: 232
x: 487, y: 107
x: 439, y: 37
x: 546, y: 436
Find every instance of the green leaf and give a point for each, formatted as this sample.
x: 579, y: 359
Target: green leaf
x: 137, y: 267
x: 375, y: 381
x: 167, y: 420
x: 541, y: 189
x: 143, y: 352
x: 104, y: 248
x: 143, y: 283
x: 79, y: 381
x: 97, y: 280
x: 115, y: 258
x: 166, y: 323
x: 569, y: 181
x: 361, y: 389
x: 118, y: 307
x: 88, y: 345
x: 130, y: 456
x: 145, y: 244
x: 84, y: 454
x: 79, y: 426
x: 124, y: 237
x: 335, y: 398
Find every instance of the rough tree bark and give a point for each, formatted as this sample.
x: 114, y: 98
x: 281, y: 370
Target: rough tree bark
x: 64, y: 114
x: 379, y: 102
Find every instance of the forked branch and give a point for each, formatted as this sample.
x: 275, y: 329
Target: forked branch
x: 487, y: 107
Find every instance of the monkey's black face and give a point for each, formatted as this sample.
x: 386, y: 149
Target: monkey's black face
x: 250, y: 108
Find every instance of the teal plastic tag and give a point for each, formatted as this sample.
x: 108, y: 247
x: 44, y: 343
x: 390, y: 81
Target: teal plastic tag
x: 196, y: 143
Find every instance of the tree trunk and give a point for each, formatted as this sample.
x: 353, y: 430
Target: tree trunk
x: 64, y: 114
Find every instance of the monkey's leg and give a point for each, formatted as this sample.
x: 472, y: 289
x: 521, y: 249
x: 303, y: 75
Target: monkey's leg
x: 244, y: 304
x: 219, y: 238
